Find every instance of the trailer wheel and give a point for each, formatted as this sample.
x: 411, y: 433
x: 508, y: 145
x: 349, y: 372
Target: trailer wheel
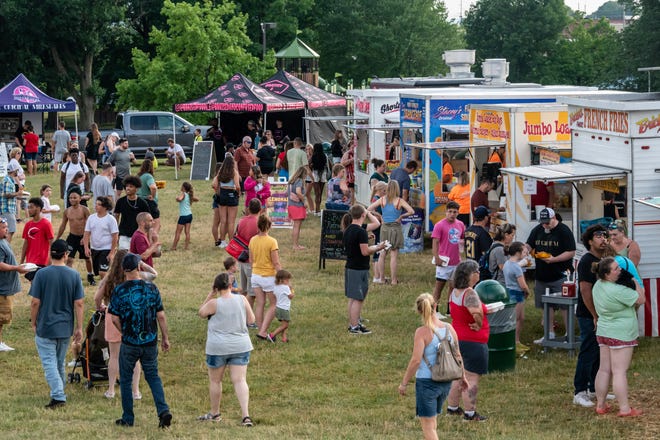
x: 76, y: 377
x: 70, y: 377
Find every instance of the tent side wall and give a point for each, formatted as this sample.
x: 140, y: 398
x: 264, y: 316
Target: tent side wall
x: 324, y: 131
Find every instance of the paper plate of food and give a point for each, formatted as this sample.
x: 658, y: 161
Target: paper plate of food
x: 494, y: 307
x: 55, y: 208
x: 30, y: 267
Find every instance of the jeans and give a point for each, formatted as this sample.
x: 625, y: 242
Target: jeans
x: 148, y: 356
x: 588, y: 359
x: 52, y: 353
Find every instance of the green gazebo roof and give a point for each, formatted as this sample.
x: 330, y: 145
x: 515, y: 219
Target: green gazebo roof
x: 297, y: 49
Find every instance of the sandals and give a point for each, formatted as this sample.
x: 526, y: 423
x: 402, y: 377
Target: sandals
x: 247, y: 422
x: 210, y: 417
x: 632, y: 413
x: 604, y: 410
x: 109, y: 395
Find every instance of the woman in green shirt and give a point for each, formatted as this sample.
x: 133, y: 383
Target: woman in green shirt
x: 616, y: 333
x: 380, y: 172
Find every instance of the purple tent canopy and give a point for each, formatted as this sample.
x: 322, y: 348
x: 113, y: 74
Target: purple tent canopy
x: 239, y: 94
x: 287, y: 85
x: 21, y: 96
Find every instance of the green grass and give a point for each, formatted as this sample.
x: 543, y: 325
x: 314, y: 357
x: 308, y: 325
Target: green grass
x: 324, y: 384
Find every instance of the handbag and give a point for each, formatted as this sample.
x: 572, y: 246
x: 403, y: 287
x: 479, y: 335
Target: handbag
x: 447, y: 365
x: 236, y: 246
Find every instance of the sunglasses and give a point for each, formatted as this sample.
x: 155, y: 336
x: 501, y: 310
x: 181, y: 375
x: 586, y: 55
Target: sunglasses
x: 601, y: 234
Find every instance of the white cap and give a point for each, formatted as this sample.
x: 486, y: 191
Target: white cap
x: 12, y: 166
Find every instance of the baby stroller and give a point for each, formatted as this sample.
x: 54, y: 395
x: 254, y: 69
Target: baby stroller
x: 93, y: 356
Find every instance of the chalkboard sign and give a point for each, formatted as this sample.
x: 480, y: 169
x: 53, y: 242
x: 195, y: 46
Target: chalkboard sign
x: 332, y: 246
x: 203, y: 159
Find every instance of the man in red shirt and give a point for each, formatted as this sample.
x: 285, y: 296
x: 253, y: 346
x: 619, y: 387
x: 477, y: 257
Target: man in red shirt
x: 480, y: 195
x: 37, y: 236
x: 142, y: 242
x: 244, y: 159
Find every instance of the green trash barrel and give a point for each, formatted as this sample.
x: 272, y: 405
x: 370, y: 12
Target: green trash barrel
x: 502, y: 339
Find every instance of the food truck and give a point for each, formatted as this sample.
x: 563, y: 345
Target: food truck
x: 615, y: 148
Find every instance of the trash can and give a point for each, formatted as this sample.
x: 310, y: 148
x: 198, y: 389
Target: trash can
x: 502, y: 340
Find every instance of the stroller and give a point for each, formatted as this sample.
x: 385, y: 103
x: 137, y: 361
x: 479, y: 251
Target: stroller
x: 93, y: 356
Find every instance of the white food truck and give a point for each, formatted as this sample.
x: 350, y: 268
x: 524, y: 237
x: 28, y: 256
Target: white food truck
x: 616, y: 149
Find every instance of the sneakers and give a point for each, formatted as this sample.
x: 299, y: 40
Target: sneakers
x: 165, y: 419
x: 359, y: 330
x: 109, y: 395
x: 539, y: 341
x: 455, y: 412
x: 90, y: 279
x: 208, y: 417
x: 253, y: 326
x: 476, y: 417
x: 592, y: 395
x: 582, y: 399
x: 247, y: 422
x: 55, y: 404
x: 5, y: 347
x: 223, y: 244
x: 122, y: 422
x: 271, y: 337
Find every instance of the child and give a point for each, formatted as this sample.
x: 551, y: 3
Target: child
x: 185, y: 199
x: 231, y: 266
x: 151, y: 155
x: 514, y: 280
x: 379, y: 190
x: 45, y: 193
x: 283, y: 293
x: 256, y: 187
x: 198, y: 135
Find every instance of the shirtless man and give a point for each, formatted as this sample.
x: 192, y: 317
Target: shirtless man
x: 76, y: 216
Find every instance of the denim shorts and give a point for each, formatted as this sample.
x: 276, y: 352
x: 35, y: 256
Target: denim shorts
x: 516, y: 295
x: 429, y: 396
x: 30, y: 156
x: 218, y: 361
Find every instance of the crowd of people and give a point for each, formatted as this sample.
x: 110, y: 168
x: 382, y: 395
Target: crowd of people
x: 118, y: 240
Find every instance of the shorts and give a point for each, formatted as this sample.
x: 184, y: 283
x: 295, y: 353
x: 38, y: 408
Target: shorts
x: 92, y: 152
x: 100, y: 261
x: 118, y: 183
x: 153, y: 208
x: 319, y: 176
x: 266, y: 284
x: 539, y: 291
x: 124, y: 242
x: 246, y: 273
x: 58, y: 156
x: 217, y: 361
x: 282, y: 314
x: 444, y: 273
x: 75, y: 241
x: 516, y: 295
x: 227, y: 197
x: 6, y: 309
x: 30, y: 156
x: 184, y: 219
x: 614, y: 343
x: 392, y: 232
x: 111, y: 332
x: 430, y: 396
x: 11, y: 221
x: 475, y: 356
x: 297, y: 212
x: 356, y: 283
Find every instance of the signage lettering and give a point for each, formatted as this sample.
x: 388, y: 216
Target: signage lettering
x: 606, y: 120
x: 648, y: 124
x: 389, y: 108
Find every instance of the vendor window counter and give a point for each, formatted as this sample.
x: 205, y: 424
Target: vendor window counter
x: 567, y: 342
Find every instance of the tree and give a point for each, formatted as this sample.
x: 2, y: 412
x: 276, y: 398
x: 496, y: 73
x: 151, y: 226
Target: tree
x: 50, y: 35
x: 641, y: 41
x: 525, y: 32
x: 361, y: 39
x: 589, y: 54
x: 202, y: 46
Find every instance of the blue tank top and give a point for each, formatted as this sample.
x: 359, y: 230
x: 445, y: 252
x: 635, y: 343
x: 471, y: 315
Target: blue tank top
x: 390, y: 213
x: 228, y: 185
x: 431, y: 352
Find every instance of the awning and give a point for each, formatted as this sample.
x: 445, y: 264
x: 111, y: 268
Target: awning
x: 571, y: 171
x: 653, y: 202
x: 456, y: 129
x: 335, y: 118
x: 455, y: 145
x: 399, y: 126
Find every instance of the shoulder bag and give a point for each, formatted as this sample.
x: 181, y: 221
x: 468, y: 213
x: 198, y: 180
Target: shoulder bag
x: 448, y: 366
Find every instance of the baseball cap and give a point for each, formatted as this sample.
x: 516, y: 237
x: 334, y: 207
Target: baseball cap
x: 546, y: 214
x: 114, y: 134
x: 481, y: 212
x: 130, y: 262
x: 12, y: 166
x: 59, y: 247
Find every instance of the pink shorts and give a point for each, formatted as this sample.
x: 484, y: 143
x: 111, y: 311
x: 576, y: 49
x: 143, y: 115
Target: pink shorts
x: 111, y: 332
x: 615, y: 343
x: 297, y: 212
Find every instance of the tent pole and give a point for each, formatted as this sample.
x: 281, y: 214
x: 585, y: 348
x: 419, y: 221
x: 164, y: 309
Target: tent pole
x: 176, y: 158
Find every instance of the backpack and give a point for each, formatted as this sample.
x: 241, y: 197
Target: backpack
x: 485, y: 272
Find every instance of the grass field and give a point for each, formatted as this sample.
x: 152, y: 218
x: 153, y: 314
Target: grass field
x: 323, y: 384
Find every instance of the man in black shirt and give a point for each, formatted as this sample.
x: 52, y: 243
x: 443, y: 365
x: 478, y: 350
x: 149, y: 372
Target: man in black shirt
x: 477, y: 238
x: 127, y: 209
x: 556, y: 239
x: 356, y: 272
x: 588, y: 361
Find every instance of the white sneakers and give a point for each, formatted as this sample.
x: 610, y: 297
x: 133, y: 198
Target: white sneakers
x: 5, y: 347
x: 540, y: 340
x: 223, y: 244
x: 592, y: 396
x: 582, y: 399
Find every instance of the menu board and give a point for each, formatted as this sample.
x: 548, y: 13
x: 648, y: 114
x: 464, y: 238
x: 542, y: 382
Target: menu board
x: 332, y: 246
